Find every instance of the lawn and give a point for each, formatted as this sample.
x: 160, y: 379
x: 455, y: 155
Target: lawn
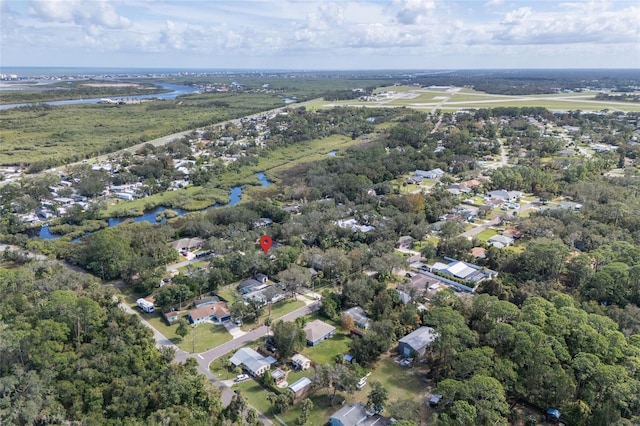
x: 203, y: 337
x: 326, y: 351
x: 277, y: 310
x: 486, y: 234
x: 228, y: 293
x: 400, y: 382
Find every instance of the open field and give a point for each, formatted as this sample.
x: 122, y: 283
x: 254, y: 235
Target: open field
x: 470, y: 99
x: 64, y: 134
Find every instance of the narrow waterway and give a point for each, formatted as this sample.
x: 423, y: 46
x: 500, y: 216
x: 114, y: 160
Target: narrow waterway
x: 235, y: 196
x: 175, y: 91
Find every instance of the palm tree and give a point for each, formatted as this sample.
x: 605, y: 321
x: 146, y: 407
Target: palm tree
x: 267, y: 323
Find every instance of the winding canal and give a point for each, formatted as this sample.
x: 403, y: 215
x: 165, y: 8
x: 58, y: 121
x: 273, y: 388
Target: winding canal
x: 235, y: 196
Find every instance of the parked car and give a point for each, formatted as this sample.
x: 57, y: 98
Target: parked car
x: 361, y: 383
x: 241, y: 378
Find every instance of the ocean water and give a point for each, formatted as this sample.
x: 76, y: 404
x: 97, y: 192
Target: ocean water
x: 26, y: 72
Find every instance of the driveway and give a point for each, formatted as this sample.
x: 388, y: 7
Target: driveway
x: 470, y: 233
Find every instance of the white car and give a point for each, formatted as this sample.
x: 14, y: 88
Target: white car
x: 241, y: 378
x: 361, y: 383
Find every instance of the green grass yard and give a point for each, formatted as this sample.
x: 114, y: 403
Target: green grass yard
x: 486, y: 234
x: 203, y: 337
x: 326, y: 351
x: 277, y: 310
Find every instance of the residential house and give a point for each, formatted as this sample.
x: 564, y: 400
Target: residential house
x: 300, y: 387
x: 252, y: 362
x: 171, y: 317
x: 262, y: 278
x: 404, y: 242
x: 265, y: 294
x: 300, y: 362
x: 263, y: 222
x: 417, y: 341
x: 278, y: 375
x: 217, y: 312
x: 500, y: 241
x: 357, y: 415
x: 430, y: 174
x: 508, y: 196
x: 247, y: 286
x: 359, y: 317
x: 458, y: 189
x: 405, y: 297
x: 187, y: 244
x: 317, y: 331
x: 479, y: 252
x: 463, y: 270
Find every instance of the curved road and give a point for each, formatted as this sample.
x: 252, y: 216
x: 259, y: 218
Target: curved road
x: 204, y: 359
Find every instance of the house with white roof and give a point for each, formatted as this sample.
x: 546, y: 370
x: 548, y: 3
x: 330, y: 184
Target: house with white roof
x: 501, y: 194
x: 463, y: 270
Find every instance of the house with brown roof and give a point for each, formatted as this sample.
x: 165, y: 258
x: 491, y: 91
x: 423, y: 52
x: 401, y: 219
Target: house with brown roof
x: 317, y: 331
x: 217, y: 312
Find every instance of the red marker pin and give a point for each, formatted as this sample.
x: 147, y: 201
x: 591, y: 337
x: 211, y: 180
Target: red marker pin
x: 265, y: 243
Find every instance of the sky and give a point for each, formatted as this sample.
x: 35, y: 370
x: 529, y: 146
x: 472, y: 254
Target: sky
x: 319, y: 34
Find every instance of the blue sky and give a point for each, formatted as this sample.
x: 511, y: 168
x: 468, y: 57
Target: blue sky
x: 319, y: 34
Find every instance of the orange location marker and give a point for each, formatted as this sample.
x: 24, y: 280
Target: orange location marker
x: 265, y: 243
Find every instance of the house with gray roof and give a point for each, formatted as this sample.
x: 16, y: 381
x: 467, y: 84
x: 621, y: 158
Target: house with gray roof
x: 417, y: 341
x: 247, y: 286
x: 317, y: 331
x: 359, y: 317
x: 357, y: 415
x: 429, y: 174
x: 300, y: 386
x: 252, y: 362
x: 500, y: 241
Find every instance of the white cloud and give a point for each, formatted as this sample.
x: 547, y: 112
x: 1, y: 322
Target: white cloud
x: 340, y: 31
x: 85, y: 13
x: 414, y: 11
x: 582, y: 23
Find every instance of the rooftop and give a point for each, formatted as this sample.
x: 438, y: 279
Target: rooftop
x: 317, y: 329
x: 420, y: 338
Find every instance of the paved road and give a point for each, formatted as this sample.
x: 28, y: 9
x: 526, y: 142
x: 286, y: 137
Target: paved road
x: 204, y: 359
x: 155, y: 142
